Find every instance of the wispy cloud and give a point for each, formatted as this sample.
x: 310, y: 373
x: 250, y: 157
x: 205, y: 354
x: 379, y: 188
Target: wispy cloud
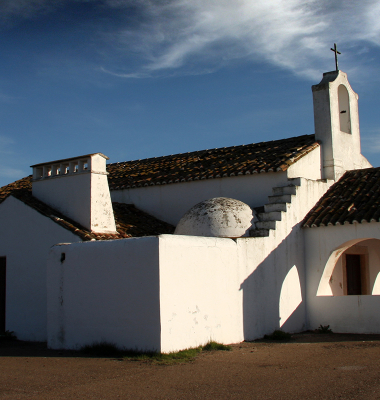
x: 126, y: 75
x: 292, y: 34
x: 199, y: 36
x: 10, y: 9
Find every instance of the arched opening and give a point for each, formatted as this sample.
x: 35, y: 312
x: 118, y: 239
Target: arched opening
x: 344, y: 109
x: 352, y: 269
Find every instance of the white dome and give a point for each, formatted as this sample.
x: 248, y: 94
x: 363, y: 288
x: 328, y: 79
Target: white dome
x: 217, y: 217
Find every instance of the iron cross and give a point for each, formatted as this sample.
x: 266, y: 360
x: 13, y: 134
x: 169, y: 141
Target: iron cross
x: 335, y: 50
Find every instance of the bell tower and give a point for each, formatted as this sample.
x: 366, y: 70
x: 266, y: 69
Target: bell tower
x: 336, y: 121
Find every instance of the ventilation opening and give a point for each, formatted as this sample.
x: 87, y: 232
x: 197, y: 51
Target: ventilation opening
x: 344, y: 109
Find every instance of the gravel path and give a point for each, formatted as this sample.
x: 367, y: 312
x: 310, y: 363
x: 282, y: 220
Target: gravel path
x: 309, y: 367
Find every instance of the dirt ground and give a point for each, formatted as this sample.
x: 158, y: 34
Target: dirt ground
x: 311, y: 366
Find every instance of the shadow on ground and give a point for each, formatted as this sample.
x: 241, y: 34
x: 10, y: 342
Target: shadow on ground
x: 18, y: 348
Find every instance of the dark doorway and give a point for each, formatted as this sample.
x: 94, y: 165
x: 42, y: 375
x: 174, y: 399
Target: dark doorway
x: 2, y: 293
x: 354, y: 275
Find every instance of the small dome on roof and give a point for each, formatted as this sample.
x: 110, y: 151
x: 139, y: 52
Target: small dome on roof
x: 217, y: 217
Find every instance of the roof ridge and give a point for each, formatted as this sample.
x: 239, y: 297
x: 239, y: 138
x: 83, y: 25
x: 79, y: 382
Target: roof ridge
x: 270, y: 156
x: 215, y: 148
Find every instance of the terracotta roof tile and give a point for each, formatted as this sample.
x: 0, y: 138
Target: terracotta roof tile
x: 354, y: 198
x: 130, y: 221
x: 254, y: 158
x: 276, y: 155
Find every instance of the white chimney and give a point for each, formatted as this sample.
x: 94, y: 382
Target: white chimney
x: 78, y: 188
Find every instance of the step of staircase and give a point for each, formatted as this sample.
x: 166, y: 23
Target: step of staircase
x: 259, y: 232
x: 266, y: 224
x: 281, y: 198
x: 284, y: 190
x: 275, y: 208
x: 270, y: 216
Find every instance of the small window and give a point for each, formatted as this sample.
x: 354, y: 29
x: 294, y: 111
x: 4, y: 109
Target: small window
x: 344, y: 109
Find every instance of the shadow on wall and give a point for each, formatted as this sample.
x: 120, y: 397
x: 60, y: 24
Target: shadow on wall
x: 273, y: 295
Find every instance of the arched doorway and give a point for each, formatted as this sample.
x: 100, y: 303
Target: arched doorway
x: 352, y: 269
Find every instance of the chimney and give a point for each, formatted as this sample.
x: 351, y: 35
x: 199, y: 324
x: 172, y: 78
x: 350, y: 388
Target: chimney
x: 78, y: 188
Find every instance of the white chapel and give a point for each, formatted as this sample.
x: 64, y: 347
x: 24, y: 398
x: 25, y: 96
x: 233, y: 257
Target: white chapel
x: 226, y: 244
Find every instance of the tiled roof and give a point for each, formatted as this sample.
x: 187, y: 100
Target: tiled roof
x: 24, y: 183
x: 354, y: 198
x: 130, y: 221
x: 276, y: 155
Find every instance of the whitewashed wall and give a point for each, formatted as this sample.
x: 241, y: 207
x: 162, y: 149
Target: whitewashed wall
x: 25, y: 239
x: 104, y: 291
x: 200, y: 292
x: 355, y: 314
x: 274, y: 287
x: 229, y: 290
x: 341, y: 150
x: 309, y: 166
x: 171, y: 292
x: 170, y: 202
x: 83, y: 197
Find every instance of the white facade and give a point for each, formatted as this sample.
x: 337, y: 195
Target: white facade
x: 170, y: 202
x: 209, y: 288
x: 170, y: 292
x: 25, y: 239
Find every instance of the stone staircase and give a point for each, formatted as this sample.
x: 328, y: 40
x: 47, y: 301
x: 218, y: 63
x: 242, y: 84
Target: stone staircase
x: 275, y: 209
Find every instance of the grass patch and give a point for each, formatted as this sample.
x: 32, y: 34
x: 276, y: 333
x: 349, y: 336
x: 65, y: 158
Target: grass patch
x: 278, y: 334
x: 213, y: 346
x: 106, y: 349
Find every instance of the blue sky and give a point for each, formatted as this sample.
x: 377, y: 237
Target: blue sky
x: 143, y: 78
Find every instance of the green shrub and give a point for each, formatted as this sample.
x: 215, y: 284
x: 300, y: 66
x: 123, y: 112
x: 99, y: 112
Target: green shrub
x: 324, y: 329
